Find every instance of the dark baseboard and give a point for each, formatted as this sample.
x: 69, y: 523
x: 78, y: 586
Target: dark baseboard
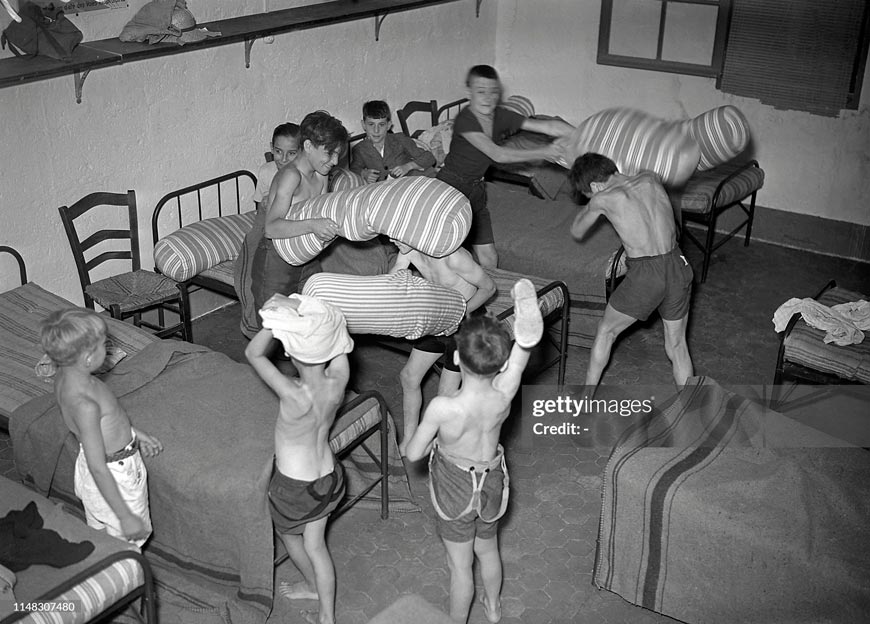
x: 805, y: 232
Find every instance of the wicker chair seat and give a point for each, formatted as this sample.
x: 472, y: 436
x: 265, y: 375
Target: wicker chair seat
x: 133, y: 291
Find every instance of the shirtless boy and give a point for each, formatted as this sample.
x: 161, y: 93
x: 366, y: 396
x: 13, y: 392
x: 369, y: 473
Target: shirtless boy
x: 323, y: 138
x: 659, y: 277
x: 460, y: 272
x: 307, y: 482
x: 468, y: 479
x: 110, y: 477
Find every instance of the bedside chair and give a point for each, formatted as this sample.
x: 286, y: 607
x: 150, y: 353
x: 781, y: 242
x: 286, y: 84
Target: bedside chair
x: 126, y: 294
x: 709, y: 193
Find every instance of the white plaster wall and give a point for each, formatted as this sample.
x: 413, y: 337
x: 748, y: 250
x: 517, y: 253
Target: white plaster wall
x: 161, y: 124
x: 814, y: 165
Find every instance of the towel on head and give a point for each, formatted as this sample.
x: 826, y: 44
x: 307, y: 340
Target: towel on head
x: 312, y: 332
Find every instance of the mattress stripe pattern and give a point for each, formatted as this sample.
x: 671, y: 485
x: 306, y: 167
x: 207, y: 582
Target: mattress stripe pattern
x: 721, y: 134
x: 638, y: 142
x: 697, y: 195
x: 201, y: 245
x: 93, y: 594
x: 805, y: 346
x: 425, y: 213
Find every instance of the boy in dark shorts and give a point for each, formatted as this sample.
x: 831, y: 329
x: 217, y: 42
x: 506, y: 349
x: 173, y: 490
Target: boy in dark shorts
x: 658, y: 277
x: 460, y: 272
x: 468, y: 479
x: 307, y: 482
x: 477, y: 132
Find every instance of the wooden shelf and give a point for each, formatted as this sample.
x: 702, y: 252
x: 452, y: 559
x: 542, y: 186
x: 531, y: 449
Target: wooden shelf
x: 95, y: 54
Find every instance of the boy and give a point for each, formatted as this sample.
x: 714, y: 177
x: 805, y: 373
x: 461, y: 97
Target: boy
x: 307, y: 482
x: 659, y: 276
x: 468, y: 478
x: 285, y: 147
x: 478, y: 130
x: 323, y: 138
x: 383, y: 153
x: 460, y: 272
x: 110, y: 476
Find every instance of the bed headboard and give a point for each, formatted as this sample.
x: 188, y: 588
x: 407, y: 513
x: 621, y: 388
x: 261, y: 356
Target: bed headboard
x: 22, y: 270
x: 225, y: 195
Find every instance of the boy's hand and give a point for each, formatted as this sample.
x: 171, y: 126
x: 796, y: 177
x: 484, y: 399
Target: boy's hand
x: 370, y: 175
x: 324, y: 229
x: 401, y: 170
x: 148, y: 444
x: 133, y: 527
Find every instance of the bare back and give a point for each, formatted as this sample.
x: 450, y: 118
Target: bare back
x: 84, y: 396
x: 437, y: 270
x: 305, y: 417
x: 640, y: 211
x: 469, y: 423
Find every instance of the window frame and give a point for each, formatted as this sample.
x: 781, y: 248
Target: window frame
x: 713, y: 70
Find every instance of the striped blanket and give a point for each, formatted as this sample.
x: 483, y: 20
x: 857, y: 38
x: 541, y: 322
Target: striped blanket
x: 717, y: 510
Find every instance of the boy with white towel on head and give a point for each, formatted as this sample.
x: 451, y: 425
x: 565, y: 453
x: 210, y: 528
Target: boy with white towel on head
x: 307, y: 482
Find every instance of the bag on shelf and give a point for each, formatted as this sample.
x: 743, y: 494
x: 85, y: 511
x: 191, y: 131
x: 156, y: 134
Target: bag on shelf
x: 41, y: 33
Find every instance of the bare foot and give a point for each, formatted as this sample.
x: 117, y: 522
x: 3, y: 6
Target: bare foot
x: 312, y: 617
x: 297, y: 591
x: 528, y: 326
x: 493, y: 614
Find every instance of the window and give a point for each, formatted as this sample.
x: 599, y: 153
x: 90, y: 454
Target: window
x: 678, y: 36
x: 791, y: 54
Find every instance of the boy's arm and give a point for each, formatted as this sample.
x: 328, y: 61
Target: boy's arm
x: 550, y: 127
x: 256, y: 353
x: 148, y: 444
x: 421, y: 442
x: 339, y: 369
x: 586, y: 218
x: 286, y: 182
x: 402, y: 262
x: 508, y: 381
x: 501, y: 154
x: 465, y: 266
x: 86, y: 415
x: 420, y: 158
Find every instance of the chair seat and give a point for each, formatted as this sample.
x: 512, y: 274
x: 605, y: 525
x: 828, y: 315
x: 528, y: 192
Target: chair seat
x: 697, y: 196
x: 805, y: 346
x: 132, y: 291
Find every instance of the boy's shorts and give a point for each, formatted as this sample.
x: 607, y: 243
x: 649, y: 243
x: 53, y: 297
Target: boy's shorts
x: 445, y: 345
x: 130, y: 475
x: 663, y: 282
x: 475, y: 190
x: 294, y: 503
x: 451, y: 487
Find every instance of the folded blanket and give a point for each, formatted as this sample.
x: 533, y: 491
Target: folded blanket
x: 843, y: 323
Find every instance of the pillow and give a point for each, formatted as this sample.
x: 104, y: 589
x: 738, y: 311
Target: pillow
x: 721, y: 133
x: 425, y: 213
x: 636, y: 142
x: 520, y: 105
x: 201, y: 245
x: 399, y: 304
x: 341, y: 179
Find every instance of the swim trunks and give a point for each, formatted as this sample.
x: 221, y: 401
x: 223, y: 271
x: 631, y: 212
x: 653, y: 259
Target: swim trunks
x: 444, y: 345
x: 663, y: 282
x: 294, y: 503
x: 129, y: 472
x: 469, y: 497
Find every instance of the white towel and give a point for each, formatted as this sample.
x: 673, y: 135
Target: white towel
x: 842, y: 323
x: 312, y: 331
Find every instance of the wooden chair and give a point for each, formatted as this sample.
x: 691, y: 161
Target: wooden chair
x: 708, y: 194
x: 416, y: 106
x: 22, y: 271
x: 127, y: 294
x: 351, y: 141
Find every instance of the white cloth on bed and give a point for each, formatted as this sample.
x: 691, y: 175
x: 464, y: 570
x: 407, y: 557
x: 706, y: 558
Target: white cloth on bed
x: 842, y: 323
x: 311, y: 330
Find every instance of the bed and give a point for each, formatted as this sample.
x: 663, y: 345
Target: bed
x: 200, y: 251
x: 197, y: 401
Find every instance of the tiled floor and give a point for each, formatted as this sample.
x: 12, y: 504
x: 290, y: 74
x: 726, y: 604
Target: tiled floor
x: 548, y: 537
